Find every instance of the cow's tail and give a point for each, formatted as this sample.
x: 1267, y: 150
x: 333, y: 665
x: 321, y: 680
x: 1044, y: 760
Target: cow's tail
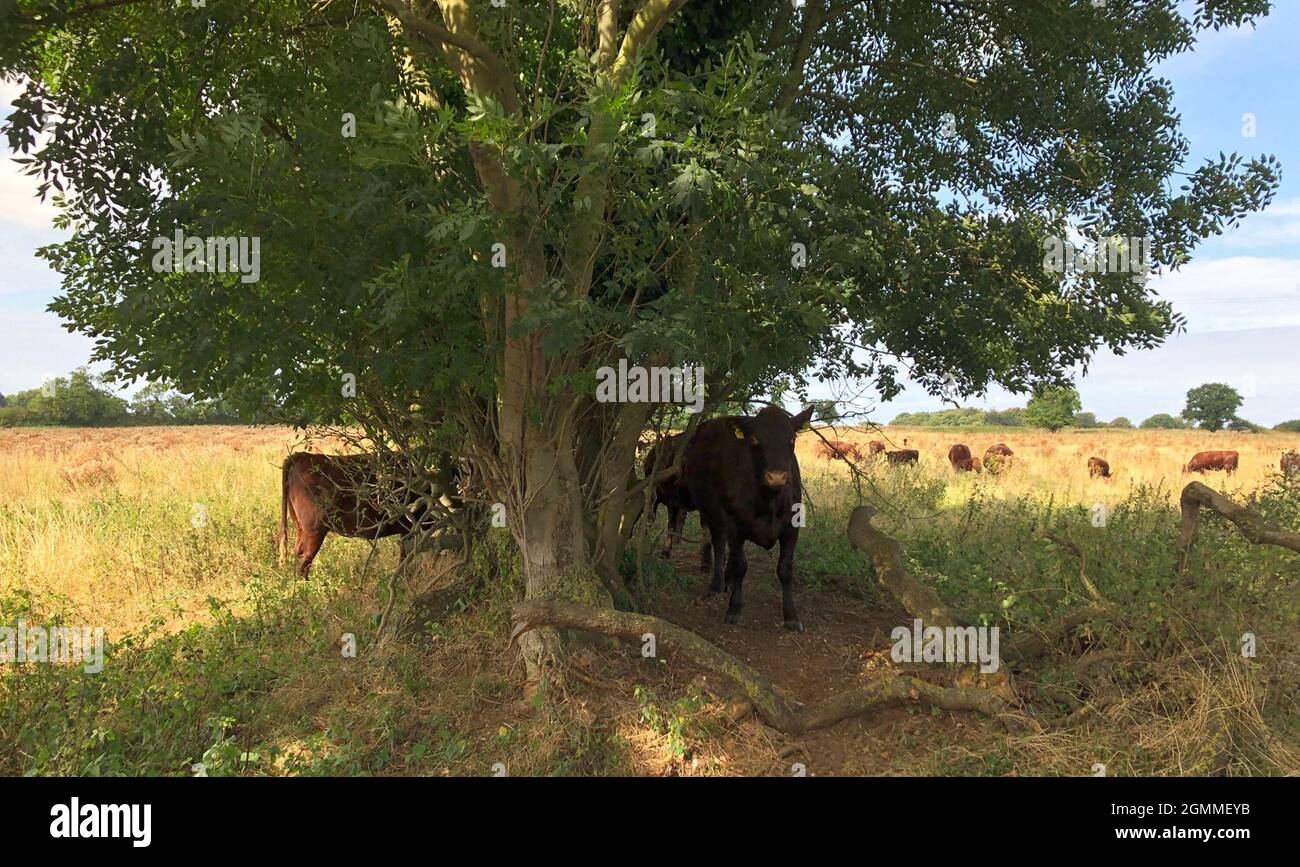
x: 284, y: 509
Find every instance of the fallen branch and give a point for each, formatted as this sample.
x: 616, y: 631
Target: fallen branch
x: 1030, y: 645
x: 887, y: 558
x: 923, y: 603
x: 1258, y: 531
x: 1083, y: 564
x: 772, y: 708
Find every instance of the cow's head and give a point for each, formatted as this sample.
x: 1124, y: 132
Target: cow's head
x: 771, y: 438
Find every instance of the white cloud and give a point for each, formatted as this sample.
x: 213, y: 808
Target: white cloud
x: 1234, y: 293
x: 18, y: 202
x: 34, y: 347
x: 1278, y: 225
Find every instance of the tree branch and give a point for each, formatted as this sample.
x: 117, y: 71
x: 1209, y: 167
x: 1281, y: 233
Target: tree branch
x: 459, y: 37
x: 607, y: 31
x: 641, y: 32
x: 1251, y: 525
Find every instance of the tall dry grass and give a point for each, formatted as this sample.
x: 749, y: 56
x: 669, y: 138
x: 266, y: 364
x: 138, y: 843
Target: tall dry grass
x: 120, y: 525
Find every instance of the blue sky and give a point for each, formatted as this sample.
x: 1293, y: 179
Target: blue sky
x: 1240, y: 295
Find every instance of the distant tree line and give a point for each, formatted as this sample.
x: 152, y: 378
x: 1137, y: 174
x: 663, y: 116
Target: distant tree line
x: 84, y: 400
x: 1212, y: 406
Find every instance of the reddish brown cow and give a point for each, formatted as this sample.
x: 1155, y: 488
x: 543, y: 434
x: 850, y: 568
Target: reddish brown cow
x: 1098, y: 467
x: 836, y: 449
x: 997, y: 457
x: 875, y: 447
x: 959, y: 457
x: 1204, y: 461
x: 902, y: 456
x: 1290, y: 463
x: 341, y: 493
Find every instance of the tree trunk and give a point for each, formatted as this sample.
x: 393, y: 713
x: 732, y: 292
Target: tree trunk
x: 551, y: 535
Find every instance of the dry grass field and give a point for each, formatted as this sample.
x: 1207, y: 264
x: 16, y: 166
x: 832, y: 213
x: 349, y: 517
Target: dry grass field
x: 166, y: 538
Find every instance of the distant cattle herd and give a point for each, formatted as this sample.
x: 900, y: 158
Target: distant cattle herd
x: 999, y: 457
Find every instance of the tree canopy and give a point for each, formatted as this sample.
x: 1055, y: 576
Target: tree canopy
x: 1212, y: 405
x: 1053, y: 407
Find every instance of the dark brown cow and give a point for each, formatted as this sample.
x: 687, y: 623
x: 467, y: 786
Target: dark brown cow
x: 1098, y: 467
x: 997, y: 457
x: 875, y: 447
x: 836, y: 449
x: 959, y: 457
x: 743, y: 477
x: 671, y: 491
x: 902, y: 456
x: 340, y: 493
x: 1204, y: 461
x: 1290, y: 463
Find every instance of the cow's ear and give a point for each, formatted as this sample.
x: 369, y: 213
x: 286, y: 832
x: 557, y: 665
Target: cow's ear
x: 802, y: 418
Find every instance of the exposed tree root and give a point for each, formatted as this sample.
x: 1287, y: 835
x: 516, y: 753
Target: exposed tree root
x: 772, y: 707
x: 1252, y: 526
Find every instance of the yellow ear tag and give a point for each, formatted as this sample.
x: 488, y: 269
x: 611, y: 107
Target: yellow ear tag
x: 739, y: 434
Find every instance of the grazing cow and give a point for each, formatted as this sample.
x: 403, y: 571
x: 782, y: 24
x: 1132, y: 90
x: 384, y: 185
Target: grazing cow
x: 902, y: 456
x: 875, y: 447
x: 972, y: 465
x: 1098, y: 467
x: 343, y: 494
x: 671, y: 491
x: 997, y: 457
x: 1203, y: 461
x: 1290, y: 463
x: 744, y: 479
x: 836, y: 449
x: 959, y: 457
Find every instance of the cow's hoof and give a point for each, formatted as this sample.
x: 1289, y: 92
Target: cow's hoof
x: 794, y: 625
x: 732, y: 617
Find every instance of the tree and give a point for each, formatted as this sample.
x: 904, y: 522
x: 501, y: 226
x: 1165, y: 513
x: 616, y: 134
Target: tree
x: 1012, y: 417
x: 1052, y: 407
x: 826, y: 411
x: 149, y: 405
x: 1085, y: 420
x: 1163, y: 421
x: 1292, y: 426
x: 79, y: 400
x: 472, y: 210
x: 1244, y: 425
x: 1212, y: 405
x: 1121, y: 422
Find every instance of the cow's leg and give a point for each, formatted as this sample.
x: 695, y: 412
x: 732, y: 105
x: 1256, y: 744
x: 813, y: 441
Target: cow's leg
x: 716, y: 525
x: 736, y: 566
x: 676, y: 515
x: 309, y: 541
x: 785, y: 571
